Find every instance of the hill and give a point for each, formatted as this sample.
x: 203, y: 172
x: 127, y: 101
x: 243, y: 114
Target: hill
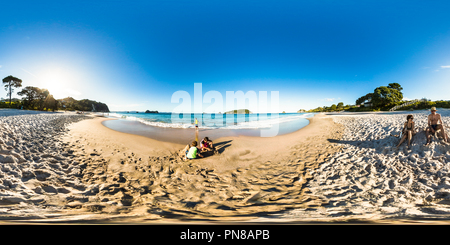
x: 240, y: 111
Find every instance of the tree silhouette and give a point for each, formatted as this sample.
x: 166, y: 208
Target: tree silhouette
x: 31, y: 96
x: 11, y: 82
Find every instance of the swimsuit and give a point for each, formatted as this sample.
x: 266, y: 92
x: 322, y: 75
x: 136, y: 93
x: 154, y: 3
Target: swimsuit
x: 408, y: 128
x: 204, y: 144
x: 434, y: 126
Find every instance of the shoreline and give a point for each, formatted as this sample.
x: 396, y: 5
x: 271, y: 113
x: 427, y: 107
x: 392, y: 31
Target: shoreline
x: 186, y: 135
x: 237, y: 147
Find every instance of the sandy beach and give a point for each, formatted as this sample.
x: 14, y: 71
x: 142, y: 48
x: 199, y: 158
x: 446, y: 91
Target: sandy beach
x: 63, y: 167
x: 94, y: 173
x: 371, y: 180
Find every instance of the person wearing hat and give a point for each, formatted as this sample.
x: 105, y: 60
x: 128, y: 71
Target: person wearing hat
x: 435, y: 124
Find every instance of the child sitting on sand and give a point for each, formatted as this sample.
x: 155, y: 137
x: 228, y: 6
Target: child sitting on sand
x: 206, y: 145
x: 193, y: 152
x: 408, y: 130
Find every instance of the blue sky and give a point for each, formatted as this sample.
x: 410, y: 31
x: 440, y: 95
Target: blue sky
x: 133, y: 55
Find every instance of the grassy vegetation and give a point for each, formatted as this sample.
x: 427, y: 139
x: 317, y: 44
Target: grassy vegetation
x: 420, y: 105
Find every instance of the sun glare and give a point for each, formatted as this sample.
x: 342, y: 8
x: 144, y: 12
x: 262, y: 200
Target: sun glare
x: 57, y: 81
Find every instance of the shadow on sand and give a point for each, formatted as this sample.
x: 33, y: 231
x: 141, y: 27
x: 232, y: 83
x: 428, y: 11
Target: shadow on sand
x: 220, y: 147
x: 380, y: 144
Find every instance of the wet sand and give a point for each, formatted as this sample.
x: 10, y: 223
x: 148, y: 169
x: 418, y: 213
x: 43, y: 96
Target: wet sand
x: 184, y: 136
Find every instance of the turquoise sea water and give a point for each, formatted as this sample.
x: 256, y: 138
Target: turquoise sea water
x: 212, y: 121
x: 181, y: 129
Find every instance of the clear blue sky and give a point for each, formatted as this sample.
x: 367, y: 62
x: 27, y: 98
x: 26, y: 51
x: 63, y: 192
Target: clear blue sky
x: 133, y: 55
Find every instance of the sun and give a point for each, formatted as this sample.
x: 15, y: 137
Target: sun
x: 56, y: 81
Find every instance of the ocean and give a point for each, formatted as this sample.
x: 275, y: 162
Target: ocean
x: 175, y: 128
x: 212, y: 121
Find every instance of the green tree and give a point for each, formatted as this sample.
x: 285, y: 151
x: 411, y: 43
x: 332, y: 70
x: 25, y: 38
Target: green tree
x: 34, y: 97
x: 340, y: 105
x: 30, y: 94
x: 395, y: 86
x: 51, y: 103
x: 363, y: 98
x: 384, y: 96
x: 71, y: 104
x: 333, y: 107
x: 42, y: 95
x: 10, y: 83
x: 68, y: 103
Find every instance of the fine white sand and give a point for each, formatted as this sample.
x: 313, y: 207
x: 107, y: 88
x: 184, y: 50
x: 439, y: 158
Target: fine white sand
x: 370, y: 180
x: 33, y: 167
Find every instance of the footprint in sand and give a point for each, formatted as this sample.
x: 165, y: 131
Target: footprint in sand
x: 243, y: 153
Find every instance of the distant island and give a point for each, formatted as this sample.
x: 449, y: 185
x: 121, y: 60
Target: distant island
x: 147, y: 111
x: 240, y: 111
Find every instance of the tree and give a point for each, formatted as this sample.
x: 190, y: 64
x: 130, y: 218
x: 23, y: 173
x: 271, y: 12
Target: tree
x: 71, y: 104
x: 11, y: 82
x: 333, y: 107
x: 31, y: 95
x: 68, y: 103
x: 383, y: 96
x: 362, y: 99
x: 42, y: 95
x: 340, y: 105
x: 51, y: 103
x: 34, y: 97
x: 395, y: 86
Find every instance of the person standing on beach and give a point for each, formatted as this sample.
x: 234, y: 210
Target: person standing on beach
x: 196, y: 123
x: 435, y: 124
